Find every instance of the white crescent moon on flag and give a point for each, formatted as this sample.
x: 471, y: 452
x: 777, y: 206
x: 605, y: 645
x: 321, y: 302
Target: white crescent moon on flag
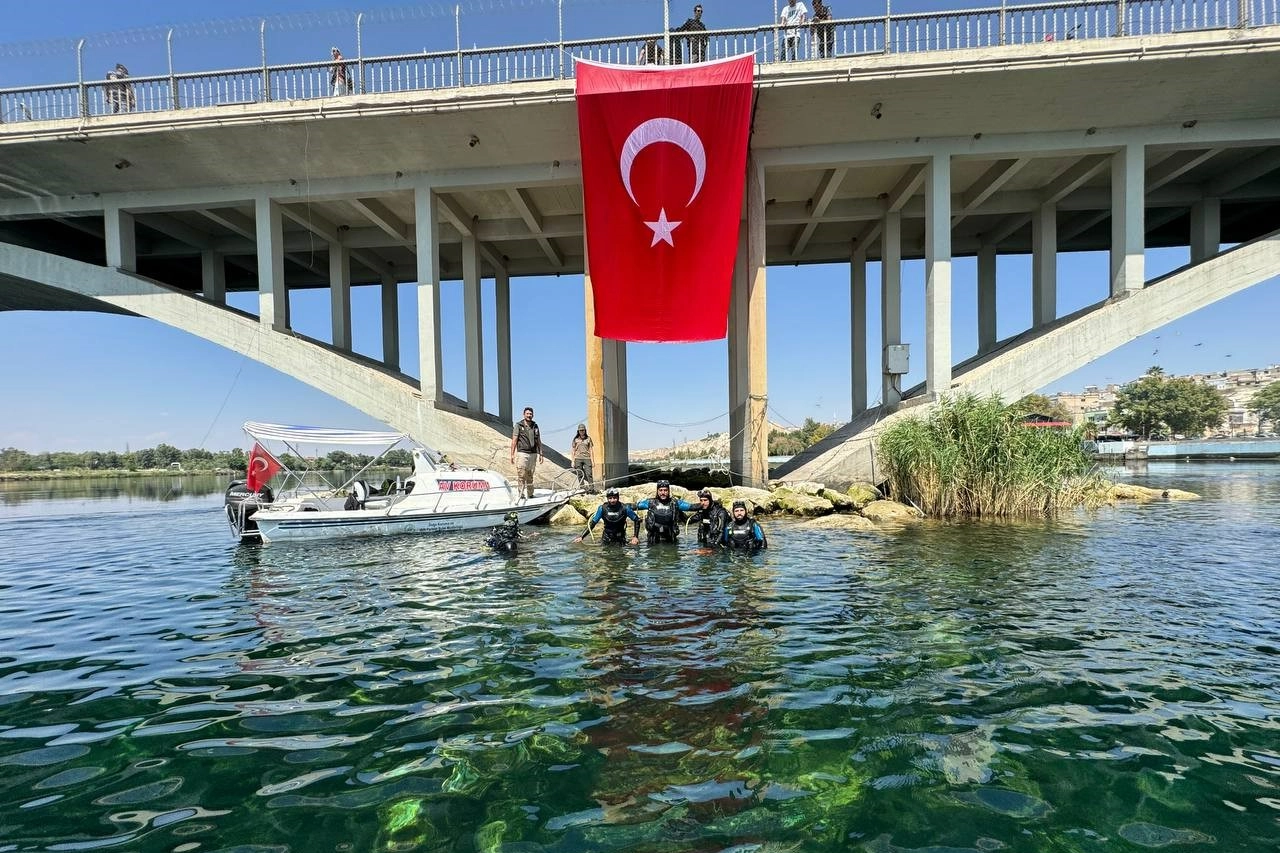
x: 260, y: 464
x: 664, y: 130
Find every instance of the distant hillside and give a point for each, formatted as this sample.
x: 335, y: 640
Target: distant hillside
x: 783, y: 441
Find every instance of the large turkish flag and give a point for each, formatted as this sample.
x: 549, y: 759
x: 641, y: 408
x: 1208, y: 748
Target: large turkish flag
x: 664, y: 155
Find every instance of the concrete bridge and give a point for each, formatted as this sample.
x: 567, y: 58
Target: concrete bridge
x: 1137, y: 125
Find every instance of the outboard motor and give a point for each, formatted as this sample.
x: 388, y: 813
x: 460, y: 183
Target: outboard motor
x: 240, y: 505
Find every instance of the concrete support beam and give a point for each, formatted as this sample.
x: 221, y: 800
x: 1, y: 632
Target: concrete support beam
x: 390, y: 321
x: 1206, y: 229
x: 1176, y: 165
x: 1128, y: 233
x: 986, y: 298
x: 907, y: 186
x: 827, y: 188
x: 340, y: 295
x: 121, y: 239
x: 617, y: 442
x: 987, y: 185
x: 1250, y: 170
x: 754, y: 463
x: 390, y: 224
x: 858, y: 330
x: 937, y: 276
x: 273, y: 295
x: 427, y: 237
x: 213, y: 277
x: 524, y: 205
x: 473, y: 323
x: 1044, y: 265
x: 502, y: 311
x: 738, y: 353
x: 891, y: 302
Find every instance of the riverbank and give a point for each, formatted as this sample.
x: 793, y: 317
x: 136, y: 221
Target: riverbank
x: 111, y: 474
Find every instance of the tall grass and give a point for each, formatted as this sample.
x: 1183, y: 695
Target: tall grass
x: 972, y: 456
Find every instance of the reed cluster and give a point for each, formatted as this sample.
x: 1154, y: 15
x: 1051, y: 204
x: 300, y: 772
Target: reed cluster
x: 974, y: 456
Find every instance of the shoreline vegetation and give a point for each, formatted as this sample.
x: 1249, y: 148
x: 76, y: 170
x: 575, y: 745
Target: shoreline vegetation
x: 969, y: 457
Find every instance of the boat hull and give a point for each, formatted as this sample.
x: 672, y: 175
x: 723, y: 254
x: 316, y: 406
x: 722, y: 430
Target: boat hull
x: 296, y: 526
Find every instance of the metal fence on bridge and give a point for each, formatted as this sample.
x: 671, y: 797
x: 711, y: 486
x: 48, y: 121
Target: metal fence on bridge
x: 479, y: 66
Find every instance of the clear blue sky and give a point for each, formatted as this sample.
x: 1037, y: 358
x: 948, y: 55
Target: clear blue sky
x: 88, y: 381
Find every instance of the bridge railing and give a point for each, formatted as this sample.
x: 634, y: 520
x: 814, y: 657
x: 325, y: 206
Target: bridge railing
x: 909, y: 33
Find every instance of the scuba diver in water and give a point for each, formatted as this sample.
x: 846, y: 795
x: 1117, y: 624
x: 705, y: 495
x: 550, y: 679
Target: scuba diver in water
x: 614, y: 513
x: 743, y: 534
x: 664, y: 516
x: 712, y: 518
x: 505, y: 538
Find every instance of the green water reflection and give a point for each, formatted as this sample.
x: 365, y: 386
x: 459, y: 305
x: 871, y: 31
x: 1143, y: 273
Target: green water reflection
x: 1104, y: 682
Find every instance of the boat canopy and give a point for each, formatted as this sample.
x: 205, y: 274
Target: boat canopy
x: 321, y: 435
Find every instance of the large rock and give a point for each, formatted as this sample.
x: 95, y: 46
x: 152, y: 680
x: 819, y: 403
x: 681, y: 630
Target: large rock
x: 838, y: 499
x: 840, y: 521
x: 586, y: 504
x: 1142, y: 494
x: 568, y: 516
x: 798, y: 503
x: 890, y: 512
x: 862, y: 494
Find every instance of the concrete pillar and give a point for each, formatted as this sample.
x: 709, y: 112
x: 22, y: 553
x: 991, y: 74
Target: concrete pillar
x: 738, y: 353
x: 937, y: 275
x: 273, y: 295
x: 748, y: 342
x: 1206, y: 229
x: 340, y: 295
x: 986, y: 298
x: 891, y: 300
x: 1044, y: 265
x: 473, y: 323
x: 617, y: 441
x: 427, y: 238
x: 213, y: 277
x: 121, y: 239
x: 858, y: 330
x: 390, y: 321
x: 502, y: 310
x: 1128, y: 230
x: 596, y: 415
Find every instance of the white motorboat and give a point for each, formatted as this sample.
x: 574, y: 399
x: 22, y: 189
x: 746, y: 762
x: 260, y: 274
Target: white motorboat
x: 439, y: 496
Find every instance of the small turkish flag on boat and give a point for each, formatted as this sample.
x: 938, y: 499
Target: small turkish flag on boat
x: 262, y: 467
x: 664, y: 155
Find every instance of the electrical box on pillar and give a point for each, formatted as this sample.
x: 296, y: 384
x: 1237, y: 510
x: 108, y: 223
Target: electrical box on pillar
x: 897, y: 359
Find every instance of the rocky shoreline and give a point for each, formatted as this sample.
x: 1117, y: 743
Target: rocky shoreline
x: 859, y: 507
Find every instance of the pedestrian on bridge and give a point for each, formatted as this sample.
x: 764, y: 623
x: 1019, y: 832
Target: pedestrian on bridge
x: 824, y: 32
x: 119, y: 92
x: 696, y: 41
x: 340, y: 81
x: 793, y: 17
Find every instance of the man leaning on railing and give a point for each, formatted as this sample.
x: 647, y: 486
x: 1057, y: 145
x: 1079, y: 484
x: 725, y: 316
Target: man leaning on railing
x: 696, y: 40
x: 119, y: 93
x: 340, y: 75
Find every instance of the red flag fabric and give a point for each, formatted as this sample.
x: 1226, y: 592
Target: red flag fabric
x: 262, y: 467
x: 664, y: 155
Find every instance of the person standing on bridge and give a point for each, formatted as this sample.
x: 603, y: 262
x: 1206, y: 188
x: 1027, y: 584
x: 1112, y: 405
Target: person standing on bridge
x: 119, y: 92
x: 824, y: 32
x: 696, y: 41
x: 526, y: 443
x: 340, y: 81
x: 793, y: 16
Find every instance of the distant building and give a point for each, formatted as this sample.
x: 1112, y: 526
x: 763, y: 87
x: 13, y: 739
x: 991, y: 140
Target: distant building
x: 1094, y: 404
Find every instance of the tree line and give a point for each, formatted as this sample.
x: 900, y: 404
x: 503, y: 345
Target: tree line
x: 163, y: 456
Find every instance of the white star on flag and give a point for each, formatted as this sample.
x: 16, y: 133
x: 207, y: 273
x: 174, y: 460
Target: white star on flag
x: 662, y: 229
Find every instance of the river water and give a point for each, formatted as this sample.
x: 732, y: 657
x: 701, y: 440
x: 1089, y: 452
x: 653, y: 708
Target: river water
x: 1106, y: 682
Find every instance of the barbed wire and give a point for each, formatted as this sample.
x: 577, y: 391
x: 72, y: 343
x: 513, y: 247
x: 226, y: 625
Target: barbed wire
x: 281, y: 22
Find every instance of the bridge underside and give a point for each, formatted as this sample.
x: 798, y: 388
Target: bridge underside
x: 856, y: 160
